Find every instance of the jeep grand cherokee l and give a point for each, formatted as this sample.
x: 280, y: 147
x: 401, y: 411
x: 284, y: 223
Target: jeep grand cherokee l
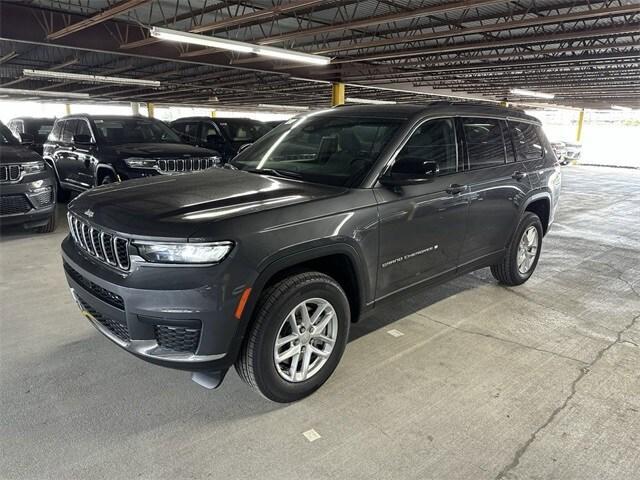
x: 265, y: 263
x: 88, y: 150
x: 27, y: 186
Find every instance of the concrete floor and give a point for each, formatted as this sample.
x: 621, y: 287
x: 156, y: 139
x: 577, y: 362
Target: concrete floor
x: 539, y: 381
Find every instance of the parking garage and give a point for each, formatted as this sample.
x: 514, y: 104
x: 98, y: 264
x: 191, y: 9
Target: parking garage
x: 467, y: 377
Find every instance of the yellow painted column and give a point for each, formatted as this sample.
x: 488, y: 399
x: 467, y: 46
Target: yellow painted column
x: 67, y: 108
x: 580, y: 124
x: 150, y: 109
x: 504, y: 103
x: 337, y: 94
x: 213, y: 114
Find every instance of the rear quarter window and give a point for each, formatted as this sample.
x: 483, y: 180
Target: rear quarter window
x: 526, y: 140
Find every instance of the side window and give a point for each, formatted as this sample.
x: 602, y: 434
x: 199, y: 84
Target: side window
x: 188, y: 128
x: 210, y: 133
x: 526, y: 140
x: 69, y: 130
x: 433, y: 141
x: 485, y: 144
x: 83, y: 128
x: 56, y: 133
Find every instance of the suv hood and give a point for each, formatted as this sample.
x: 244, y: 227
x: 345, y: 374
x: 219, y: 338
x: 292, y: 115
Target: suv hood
x: 178, y: 206
x: 160, y: 150
x: 17, y: 154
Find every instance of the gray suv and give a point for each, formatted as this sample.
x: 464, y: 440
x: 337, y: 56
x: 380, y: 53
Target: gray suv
x: 265, y: 263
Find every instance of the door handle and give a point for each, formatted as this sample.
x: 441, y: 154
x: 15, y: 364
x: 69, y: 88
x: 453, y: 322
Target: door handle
x: 519, y: 175
x: 455, y: 189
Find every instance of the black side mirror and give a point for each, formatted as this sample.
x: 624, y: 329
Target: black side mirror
x: 82, y: 139
x: 27, y: 139
x: 411, y: 171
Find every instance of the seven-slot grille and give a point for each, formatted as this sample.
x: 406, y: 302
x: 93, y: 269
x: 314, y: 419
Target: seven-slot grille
x: 107, y: 248
x: 177, y: 165
x: 10, y: 173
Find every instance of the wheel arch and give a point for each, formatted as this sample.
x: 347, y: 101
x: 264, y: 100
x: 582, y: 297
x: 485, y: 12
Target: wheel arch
x: 540, y: 204
x: 341, y: 261
x: 102, y: 167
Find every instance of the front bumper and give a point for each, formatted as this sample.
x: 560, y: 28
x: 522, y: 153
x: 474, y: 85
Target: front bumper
x: 30, y: 202
x: 174, y: 316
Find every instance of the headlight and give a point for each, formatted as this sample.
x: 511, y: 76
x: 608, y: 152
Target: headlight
x: 141, y: 162
x: 184, y: 252
x: 217, y: 161
x: 33, y: 167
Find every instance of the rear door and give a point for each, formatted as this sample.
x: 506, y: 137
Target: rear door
x: 190, y: 130
x: 62, y: 151
x: 422, y: 227
x: 81, y: 156
x: 497, y: 184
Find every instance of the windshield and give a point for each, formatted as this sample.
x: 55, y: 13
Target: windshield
x: 243, y: 130
x: 6, y: 137
x: 333, y: 150
x: 134, y: 130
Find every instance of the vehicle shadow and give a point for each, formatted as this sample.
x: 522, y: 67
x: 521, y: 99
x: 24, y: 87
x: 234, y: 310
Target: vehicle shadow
x: 18, y: 232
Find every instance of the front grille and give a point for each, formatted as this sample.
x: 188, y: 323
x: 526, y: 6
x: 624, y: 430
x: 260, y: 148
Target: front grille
x: 118, y: 329
x: 42, y: 199
x: 14, y: 204
x: 102, y: 293
x: 103, y: 246
x: 178, y: 339
x: 10, y: 173
x: 183, y: 165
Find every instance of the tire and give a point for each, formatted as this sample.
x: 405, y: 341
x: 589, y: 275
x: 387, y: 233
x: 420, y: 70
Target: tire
x: 257, y: 364
x: 510, y: 271
x: 50, y: 225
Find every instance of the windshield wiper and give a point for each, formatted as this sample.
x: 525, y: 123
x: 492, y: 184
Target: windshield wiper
x: 275, y: 171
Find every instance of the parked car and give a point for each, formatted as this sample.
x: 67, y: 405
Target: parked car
x: 27, y: 186
x: 31, y: 131
x: 265, y: 263
x: 90, y: 150
x: 567, y: 152
x: 225, y: 135
x: 274, y: 123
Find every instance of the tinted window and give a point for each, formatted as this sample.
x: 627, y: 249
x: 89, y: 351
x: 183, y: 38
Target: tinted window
x: 526, y: 140
x: 56, y: 133
x: 210, y: 133
x: 484, y: 142
x: 322, y: 149
x: 6, y: 137
x: 433, y: 141
x: 190, y: 129
x: 241, y: 130
x: 134, y: 130
x: 83, y: 128
x: 69, y: 130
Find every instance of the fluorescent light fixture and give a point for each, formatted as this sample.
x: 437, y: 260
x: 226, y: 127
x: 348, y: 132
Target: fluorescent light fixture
x: 284, y: 107
x: 369, y: 101
x: 531, y: 93
x: 81, y: 77
x: 618, y: 107
x: 235, y: 46
x: 43, y: 93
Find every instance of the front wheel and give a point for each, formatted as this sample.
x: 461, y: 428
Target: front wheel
x: 521, y: 257
x: 300, y: 331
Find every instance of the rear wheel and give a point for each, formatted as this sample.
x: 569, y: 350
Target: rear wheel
x: 300, y: 331
x: 522, y: 254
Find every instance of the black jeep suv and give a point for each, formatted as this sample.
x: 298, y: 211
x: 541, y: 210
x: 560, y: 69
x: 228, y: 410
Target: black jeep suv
x: 32, y: 132
x: 265, y: 263
x: 88, y: 150
x: 225, y: 135
x: 27, y: 186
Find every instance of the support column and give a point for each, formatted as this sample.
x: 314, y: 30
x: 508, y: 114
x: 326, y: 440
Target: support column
x: 337, y: 94
x: 150, y: 109
x: 67, y: 109
x: 213, y: 114
x: 504, y: 103
x: 580, y: 124
x: 135, y: 108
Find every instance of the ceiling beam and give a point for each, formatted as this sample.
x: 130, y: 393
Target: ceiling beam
x: 106, y: 14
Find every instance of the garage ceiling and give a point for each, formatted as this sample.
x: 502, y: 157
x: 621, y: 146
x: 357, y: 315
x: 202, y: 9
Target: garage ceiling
x: 585, y: 52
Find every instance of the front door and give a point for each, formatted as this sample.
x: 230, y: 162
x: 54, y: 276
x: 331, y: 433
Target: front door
x: 422, y: 227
